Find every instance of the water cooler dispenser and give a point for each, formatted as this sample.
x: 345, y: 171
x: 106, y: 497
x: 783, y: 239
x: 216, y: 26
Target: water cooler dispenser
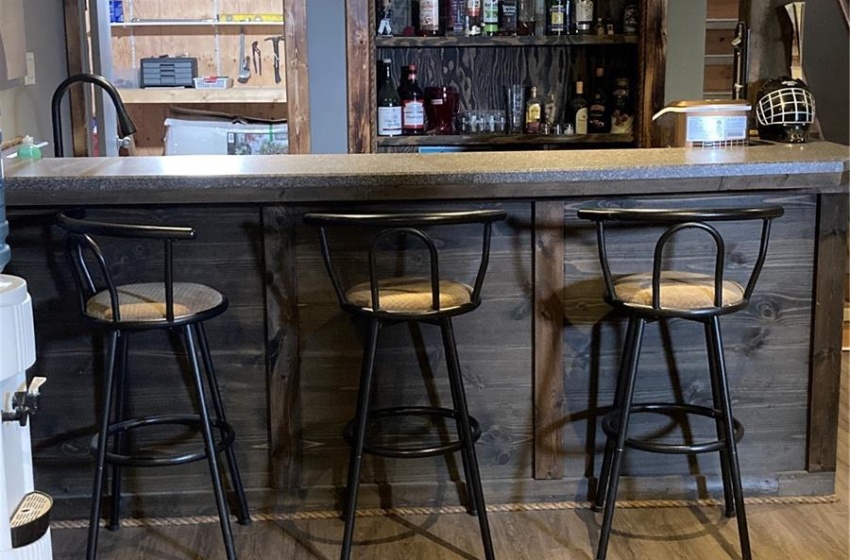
x: 24, y: 513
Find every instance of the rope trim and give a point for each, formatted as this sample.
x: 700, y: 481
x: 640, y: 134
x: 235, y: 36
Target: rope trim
x: 496, y: 508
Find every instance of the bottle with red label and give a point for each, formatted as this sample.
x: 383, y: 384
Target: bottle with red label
x: 412, y: 104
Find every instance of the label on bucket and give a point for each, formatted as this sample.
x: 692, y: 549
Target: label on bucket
x: 709, y: 128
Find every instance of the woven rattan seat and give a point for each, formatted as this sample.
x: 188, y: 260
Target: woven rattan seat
x: 678, y: 290
x: 146, y: 302
x: 410, y: 294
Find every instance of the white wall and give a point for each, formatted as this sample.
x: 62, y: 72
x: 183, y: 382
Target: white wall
x: 327, y: 76
x: 26, y: 109
x: 685, y: 50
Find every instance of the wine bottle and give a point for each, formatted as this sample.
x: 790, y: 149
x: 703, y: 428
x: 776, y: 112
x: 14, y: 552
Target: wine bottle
x: 578, y: 110
x: 584, y: 16
x: 622, y: 115
x: 412, y: 105
x: 490, y: 10
x: 598, y: 112
x: 429, y: 18
x: 389, y: 104
x: 630, y: 18
x: 533, y: 112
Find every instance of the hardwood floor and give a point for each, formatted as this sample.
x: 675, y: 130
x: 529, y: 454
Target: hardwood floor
x: 798, y: 532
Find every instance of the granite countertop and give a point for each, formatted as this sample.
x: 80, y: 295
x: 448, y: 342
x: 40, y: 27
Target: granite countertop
x: 815, y: 166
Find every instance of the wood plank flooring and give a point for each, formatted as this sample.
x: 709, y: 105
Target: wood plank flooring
x: 778, y: 532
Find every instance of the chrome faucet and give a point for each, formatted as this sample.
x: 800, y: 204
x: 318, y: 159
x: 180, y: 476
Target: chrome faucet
x: 125, y: 124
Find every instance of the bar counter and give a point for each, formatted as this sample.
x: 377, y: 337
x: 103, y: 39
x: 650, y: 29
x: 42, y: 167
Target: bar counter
x: 539, y: 356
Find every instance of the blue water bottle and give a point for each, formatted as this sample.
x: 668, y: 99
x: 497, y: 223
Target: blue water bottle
x: 4, y: 225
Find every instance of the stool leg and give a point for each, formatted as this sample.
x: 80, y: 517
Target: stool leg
x: 622, y: 429
x: 456, y: 405
x: 465, y: 434
x: 97, y: 491
x: 361, y: 420
x: 729, y: 428
x: 605, y: 472
x: 717, y: 399
x: 117, y: 444
x: 209, y: 444
x: 243, y: 517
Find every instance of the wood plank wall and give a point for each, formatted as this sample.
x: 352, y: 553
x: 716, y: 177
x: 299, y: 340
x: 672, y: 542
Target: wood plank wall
x: 288, y: 360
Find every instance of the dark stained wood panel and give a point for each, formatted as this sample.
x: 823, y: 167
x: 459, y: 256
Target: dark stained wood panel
x: 769, y: 337
x: 652, y: 63
x: 360, y: 63
x: 297, y: 87
x: 826, y: 332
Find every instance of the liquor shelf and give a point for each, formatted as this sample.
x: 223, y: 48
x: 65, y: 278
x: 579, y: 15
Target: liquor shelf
x: 504, y: 41
x: 504, y: 139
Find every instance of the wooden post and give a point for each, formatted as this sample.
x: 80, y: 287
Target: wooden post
x: 360, y: 59
x: 297, y: 88
x: 830, y: 267
x: 548, y: 340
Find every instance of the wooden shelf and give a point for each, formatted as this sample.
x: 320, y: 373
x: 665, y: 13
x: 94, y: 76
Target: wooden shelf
x: 193, y: 23
x: 192, y: 95
x: 503, y: 139
x: 518, y: 41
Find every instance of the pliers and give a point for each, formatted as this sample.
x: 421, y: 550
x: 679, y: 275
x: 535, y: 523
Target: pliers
x: 258, y: 58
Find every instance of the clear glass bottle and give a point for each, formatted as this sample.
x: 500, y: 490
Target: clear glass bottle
x: 584, y: 16
x: 389, y: 104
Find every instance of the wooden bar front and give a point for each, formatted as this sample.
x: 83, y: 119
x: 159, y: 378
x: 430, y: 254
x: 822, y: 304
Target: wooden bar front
x: 539, y: 356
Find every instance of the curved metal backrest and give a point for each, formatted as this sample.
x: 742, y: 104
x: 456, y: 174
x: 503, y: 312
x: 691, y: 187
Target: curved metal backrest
x: 675, y: 221
x: 405, y: 224
x: 82, y: 248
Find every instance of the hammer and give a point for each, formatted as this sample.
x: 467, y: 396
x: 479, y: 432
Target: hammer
x: 276, y: 45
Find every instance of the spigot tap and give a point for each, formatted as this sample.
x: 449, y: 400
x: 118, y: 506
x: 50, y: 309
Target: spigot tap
x: 125, y: 123
x: 25, y: 402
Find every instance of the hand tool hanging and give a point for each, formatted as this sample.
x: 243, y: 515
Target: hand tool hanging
x: 244, y: 70
x: 276, y: 45
x: 258, y: 58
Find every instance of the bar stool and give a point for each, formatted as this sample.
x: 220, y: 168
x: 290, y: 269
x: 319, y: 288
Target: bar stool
x: 385, y: 301
x: 661, y: 294
x: 122, y: 310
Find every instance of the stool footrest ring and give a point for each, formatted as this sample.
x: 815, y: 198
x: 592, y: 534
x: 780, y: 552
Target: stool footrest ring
x: 409, y: 452
x: 610, y: 426
x: 140, y: 460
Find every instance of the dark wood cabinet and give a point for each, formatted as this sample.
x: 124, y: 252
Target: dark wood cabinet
x: 479, y: 68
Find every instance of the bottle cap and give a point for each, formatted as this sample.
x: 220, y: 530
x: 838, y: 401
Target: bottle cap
x: 27, y: 141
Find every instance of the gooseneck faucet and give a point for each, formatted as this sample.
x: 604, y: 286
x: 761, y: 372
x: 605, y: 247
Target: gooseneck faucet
x: 125, y: 124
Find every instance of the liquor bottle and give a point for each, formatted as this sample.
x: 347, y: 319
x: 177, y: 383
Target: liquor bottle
x: 556, y: 18
x: 630, y: 18
x: 622, y: 115
x: 490, y: 17
x: 584, y: 16
x: 598, y: 114
x: 456, y: 17
x: 429, y: 18
x: 533, y: 112
x: 412, y: 105
x: 578, y: 110
x: 389, y: 104
x: 508, y: 17
x: 473, y: 17
x: 526, y: 18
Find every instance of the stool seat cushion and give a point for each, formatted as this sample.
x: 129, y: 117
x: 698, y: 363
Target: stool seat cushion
x: 679, y: 290
x: 408, y: 294
x: 146, y: 302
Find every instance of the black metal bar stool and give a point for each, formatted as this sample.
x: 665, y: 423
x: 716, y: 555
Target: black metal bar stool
x: 385, y: 301
x: 121, y: 310
x: 661, y: 294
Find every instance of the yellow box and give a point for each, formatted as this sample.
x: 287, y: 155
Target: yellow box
x: 267, y: 18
